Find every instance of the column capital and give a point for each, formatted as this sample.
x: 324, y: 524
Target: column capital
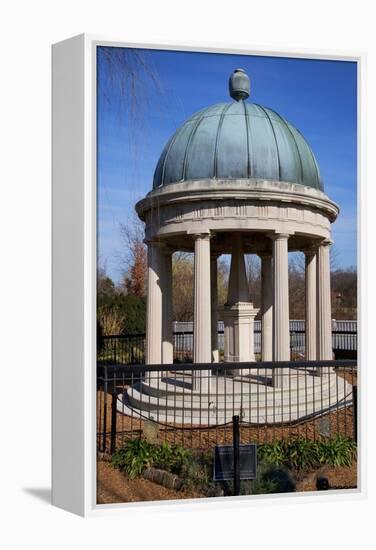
x: 325, y: 242
x: 310, y: 250
x: 314, y: 246
x: 279, y: 236
x: 205, y: 236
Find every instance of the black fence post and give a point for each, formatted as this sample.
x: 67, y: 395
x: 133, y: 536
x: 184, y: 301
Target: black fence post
x: 355, y: 412
x: 105, y: 390
x: 133, y: 361
x: 113, y: 421
x: 236, y: 444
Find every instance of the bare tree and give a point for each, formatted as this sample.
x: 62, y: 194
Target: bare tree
x: 253, y: 264
x: 182, y: 287
x: 128, y: 78
x: 222, y: 281
x: 110, y: 319
x: 134, y: 257
x: 344, y: 293
x: 105, y: 285
x: 128, y: 74
x: 297, y: 285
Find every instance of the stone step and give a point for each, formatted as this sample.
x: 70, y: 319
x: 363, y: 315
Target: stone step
x: 247, y: 393
x: 146, y: 402
x: 218, y: 411
x: 254, y: 416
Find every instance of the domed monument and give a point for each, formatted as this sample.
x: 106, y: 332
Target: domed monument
x: 237, y: 178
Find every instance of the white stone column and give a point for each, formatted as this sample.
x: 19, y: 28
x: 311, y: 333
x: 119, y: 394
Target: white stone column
x: 214, y: 306
x: 281, y: 329
x: 324, y: 323
x: 202, y: 310
x: 310, y: 304
x: 266, y: 307
x: 167, y: 331
x: 154, y: 305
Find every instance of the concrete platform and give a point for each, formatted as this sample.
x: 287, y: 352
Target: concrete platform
x: 170, y: 399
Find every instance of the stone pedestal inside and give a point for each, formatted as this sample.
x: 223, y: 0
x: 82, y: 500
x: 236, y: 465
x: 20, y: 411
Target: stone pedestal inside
x: 238, y: 322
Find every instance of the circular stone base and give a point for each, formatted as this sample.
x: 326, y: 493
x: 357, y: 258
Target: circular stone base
x: 252, y: 397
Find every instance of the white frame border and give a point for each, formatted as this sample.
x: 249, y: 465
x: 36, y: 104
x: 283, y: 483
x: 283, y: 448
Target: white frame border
x: 84, y: 501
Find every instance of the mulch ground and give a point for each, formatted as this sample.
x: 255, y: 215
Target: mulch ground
x: 338, y: 478
x: 114, y: 486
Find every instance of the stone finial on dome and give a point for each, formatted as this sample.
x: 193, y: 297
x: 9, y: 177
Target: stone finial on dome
x: 239, y: 85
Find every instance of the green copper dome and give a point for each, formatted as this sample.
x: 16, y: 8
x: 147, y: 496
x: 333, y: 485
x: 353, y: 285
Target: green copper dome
x: 237, y: 140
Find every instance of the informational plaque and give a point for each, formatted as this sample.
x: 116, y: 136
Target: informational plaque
x: 224, y: 462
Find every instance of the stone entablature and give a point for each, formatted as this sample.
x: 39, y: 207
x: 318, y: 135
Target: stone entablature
x: 241, y: 204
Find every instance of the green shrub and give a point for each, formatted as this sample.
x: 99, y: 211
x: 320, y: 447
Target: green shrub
x: 130, y: 307
x: 270, y: 479
x: 138, y: 454
x: 272, y: 453
x: 340, y: 451
x: 197, y: 473
x: 134, y: 457
x: 275, y: 459
x: 172, y: 458
x: 303, y: 454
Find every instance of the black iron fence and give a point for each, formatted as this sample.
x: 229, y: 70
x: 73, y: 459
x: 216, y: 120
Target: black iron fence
x: 194, y: 404
x: 122, y: 349
x: 130, y: 349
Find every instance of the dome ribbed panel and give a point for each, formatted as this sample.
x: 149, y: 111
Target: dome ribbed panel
x: 213, y: 110
x: 308, y: 162
x: 174, y: 161
x: 200, y: 159
x: 232, y: 150
x: 289, y: 159
x: 263, y: 147
x: 237, y: 140
x: 158, y: 174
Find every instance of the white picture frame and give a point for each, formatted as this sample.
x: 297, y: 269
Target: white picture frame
x: 74, y: 269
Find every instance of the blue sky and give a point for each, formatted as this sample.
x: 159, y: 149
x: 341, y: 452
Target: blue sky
x: 318, y: 97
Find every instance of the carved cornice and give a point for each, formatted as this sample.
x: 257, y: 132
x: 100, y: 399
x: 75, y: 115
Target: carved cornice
x: 247, y: 192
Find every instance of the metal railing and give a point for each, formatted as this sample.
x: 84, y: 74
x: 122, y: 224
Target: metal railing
x: 295, y: 324
x: 130, y: 349
x: 194, y: 404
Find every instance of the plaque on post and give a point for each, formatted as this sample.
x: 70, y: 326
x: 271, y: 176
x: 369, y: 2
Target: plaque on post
x: 224, y: 462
